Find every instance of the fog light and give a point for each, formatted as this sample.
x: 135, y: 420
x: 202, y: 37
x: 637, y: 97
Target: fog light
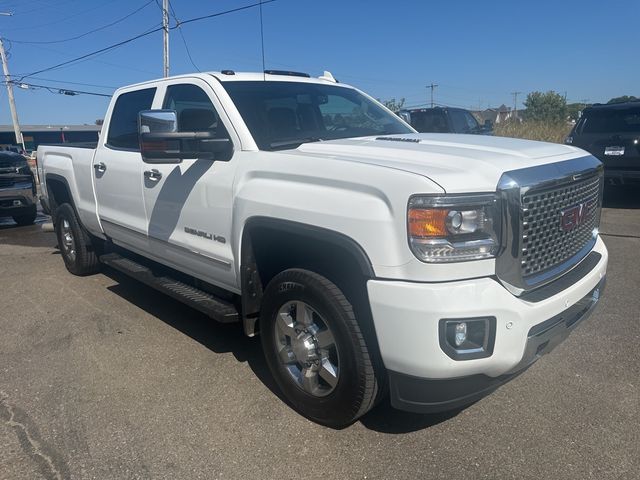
x: 468, y: 338
x: 461, y: 333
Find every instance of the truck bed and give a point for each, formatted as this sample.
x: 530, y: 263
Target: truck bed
x: 71, y: 163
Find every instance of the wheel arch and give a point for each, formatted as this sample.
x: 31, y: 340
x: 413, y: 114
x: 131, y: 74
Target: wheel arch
x: 271, y: 245
x: 58, y: 189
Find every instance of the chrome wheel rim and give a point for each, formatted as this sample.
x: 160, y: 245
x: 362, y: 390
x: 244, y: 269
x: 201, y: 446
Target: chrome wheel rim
x: 68, y: 242
x: 307, y: 349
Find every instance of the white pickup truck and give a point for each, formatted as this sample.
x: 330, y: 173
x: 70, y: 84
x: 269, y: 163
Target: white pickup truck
x: 371, y: 259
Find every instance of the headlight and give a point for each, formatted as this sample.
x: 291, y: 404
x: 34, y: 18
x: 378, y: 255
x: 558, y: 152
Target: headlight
x: 454, y: 228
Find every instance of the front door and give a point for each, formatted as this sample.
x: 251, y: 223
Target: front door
x: 117, y: 173
x: 188, y: 205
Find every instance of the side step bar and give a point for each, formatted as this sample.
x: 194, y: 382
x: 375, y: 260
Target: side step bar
x: 216, y: 308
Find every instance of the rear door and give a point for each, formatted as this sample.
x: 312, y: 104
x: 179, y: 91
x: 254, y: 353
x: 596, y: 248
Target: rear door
x: 188, y: 205
x: 117, y: 172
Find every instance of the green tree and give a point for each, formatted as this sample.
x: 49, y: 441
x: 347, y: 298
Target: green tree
x: 623, y: 98
x: 546, y: 107
x: 392, y: 105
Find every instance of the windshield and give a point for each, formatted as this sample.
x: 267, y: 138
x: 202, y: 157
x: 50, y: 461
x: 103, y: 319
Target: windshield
x: 283, y: 115
x: 612, y: 121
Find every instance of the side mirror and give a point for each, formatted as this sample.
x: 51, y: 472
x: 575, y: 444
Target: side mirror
x: 161, y: 142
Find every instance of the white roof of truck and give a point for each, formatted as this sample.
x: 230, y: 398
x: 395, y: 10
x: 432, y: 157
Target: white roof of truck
x: 325, y: 79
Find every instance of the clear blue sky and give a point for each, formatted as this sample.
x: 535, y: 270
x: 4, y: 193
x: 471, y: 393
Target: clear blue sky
x: 477, y: 51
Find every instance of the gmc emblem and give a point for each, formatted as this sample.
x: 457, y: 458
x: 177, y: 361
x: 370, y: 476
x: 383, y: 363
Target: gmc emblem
x: 573, y: 217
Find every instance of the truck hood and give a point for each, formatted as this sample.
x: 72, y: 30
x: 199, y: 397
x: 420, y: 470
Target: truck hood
x: 458, y: 163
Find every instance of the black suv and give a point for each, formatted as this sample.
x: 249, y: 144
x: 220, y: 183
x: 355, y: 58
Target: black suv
x: 17, y: 189
x: 445, y: 120
x: 611, y: 133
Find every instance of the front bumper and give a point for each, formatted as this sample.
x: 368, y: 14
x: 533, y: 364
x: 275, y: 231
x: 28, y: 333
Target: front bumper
x: 424, y: 378
x: 15, y: 200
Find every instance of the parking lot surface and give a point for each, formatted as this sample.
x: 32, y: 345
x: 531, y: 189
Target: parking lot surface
x: 104, y: 378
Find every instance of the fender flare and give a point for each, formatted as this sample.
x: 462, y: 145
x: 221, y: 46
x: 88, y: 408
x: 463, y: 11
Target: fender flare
x: 250, y: 282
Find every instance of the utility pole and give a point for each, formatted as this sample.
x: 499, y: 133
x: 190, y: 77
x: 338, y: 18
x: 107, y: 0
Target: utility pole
x: 432, y: 87
x: 515, y: 103
x: 12, y: 101
x: 165, y: 37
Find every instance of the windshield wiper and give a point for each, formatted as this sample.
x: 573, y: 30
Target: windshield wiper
x: 293, y: 143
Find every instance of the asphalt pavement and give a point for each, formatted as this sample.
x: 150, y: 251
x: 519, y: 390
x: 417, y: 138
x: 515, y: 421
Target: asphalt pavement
x: 104, y: 378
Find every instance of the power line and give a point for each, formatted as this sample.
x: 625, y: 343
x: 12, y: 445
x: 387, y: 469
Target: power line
x: 58, y: 90
x: 233, y: 10
x: 31, y: 27
x: 127, y: 67
x: 86, y: 33
x: 184, y: 40
x: 74, y: 83
x: 141, y: 35
x: 91, y: 54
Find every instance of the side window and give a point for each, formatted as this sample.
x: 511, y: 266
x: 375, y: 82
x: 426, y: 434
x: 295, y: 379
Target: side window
x: 123, y: 127
x: 458, y: 122
x: 195, y: 111
x: 472, y: 123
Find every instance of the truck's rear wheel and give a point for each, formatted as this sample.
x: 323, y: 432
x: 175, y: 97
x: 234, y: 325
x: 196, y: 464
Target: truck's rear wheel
x: 315, y: 348
x: 74, y: 243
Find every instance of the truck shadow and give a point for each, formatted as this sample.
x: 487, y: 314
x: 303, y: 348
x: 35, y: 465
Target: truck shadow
x: 217, y: 337
x: 7, y: 223
x: 229, y: 338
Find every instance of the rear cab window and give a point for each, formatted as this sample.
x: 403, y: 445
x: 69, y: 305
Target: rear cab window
x: 624, y: 120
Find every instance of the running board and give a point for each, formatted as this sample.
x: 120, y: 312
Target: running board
x: 215, y: 307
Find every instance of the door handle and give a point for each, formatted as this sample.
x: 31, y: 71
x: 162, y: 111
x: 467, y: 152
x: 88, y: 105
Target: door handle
x: 153, y: 175
x: 100, y: 167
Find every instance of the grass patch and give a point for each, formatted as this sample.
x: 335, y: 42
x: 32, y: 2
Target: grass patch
x: 542, y: 131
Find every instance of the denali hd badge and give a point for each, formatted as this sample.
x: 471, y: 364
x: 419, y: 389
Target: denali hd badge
x: 207, y: 235
x: 574, y: 216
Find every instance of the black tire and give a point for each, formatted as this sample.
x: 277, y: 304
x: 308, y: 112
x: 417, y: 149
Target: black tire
x: 79, y: 257
x: 27, y: 218
x: 356, y: 389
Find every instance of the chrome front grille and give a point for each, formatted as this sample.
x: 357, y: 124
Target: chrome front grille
x: 545, y: 243
x: 550, y: 212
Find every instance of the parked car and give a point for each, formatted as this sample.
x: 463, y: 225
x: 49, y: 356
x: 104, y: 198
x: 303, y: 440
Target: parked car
x: 612, y: 134
x: 17, y: 189
x: 371, y: 259
x: 445, y: 120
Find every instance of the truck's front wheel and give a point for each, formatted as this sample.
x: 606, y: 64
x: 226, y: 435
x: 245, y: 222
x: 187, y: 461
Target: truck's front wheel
x: 74, y: 242
x: 315, y: 348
